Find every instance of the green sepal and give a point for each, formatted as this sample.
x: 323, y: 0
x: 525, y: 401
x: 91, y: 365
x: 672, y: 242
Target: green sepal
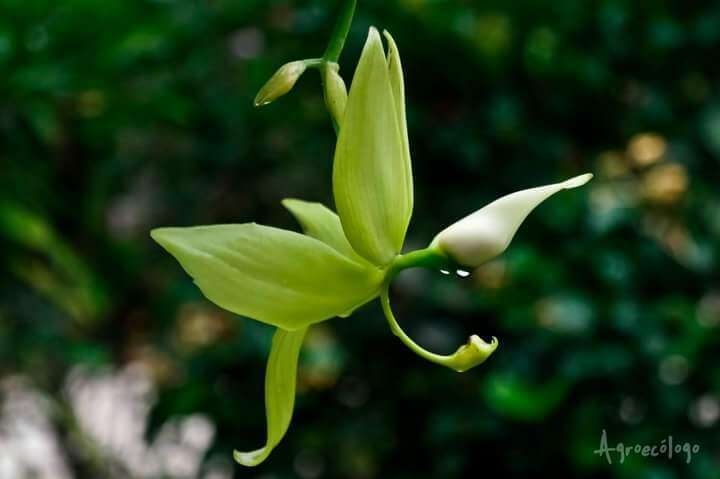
x: 322, y: 223
x: 372, y: 181
x: 276, y: 276
x: 280, y: 382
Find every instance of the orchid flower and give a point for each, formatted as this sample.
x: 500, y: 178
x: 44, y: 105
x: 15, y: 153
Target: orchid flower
x: 291, y: 281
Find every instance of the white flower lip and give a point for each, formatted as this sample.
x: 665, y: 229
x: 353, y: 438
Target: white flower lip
x: 577, y: 181
x: 486, y: 233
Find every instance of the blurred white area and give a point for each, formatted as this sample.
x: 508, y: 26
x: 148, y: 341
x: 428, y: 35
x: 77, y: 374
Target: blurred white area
x: 105, y: 426
x: 29, y: 447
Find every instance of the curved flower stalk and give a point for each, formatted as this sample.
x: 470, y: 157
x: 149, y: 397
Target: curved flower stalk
x: 292, y: 281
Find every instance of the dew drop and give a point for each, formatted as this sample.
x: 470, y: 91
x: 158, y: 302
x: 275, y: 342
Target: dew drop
x: 462, y: 273
x: 444, y: 271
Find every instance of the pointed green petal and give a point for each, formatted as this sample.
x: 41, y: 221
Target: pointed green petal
x: 323, y: 224
x: 397, y: 83
x: 272, y: 275
x: 371, y: 174
x: 280, y: 379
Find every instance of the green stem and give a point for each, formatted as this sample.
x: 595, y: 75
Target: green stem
x: 398, y: 331
x: 342, y: 27
x: 332, y: 55
x: 467, y: 356
x: 314, y: 62
x: 429, y: 258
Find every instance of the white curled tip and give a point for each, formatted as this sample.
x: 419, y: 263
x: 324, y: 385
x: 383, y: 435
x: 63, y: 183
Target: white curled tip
x: 486, y: 233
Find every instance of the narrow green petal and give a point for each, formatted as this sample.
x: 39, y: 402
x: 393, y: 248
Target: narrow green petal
x: 370, y: 175
x: 323, y: 224
x: 279, y: 277
x: 397, y: 83
x: 280, y: 379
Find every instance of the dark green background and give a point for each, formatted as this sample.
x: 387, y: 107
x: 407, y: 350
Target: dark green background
x: 117, y: 117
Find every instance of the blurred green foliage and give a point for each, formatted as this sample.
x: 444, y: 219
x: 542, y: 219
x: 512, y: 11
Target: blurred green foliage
x: 116, y: 117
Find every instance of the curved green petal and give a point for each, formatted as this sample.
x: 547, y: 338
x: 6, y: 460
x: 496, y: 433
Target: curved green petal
x: 371, y: 176
x: 280, y: 379
x: 322, y: 223
x: 279, y: 277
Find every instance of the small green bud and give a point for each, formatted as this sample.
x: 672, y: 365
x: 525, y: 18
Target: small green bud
x: 281, y: 82
x: 335, y: 91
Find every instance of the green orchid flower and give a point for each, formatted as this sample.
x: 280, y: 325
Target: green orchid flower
x: 342, y: 261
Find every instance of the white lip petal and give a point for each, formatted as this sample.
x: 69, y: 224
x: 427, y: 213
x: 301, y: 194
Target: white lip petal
x: 577, y: 181
x: 486, y: 233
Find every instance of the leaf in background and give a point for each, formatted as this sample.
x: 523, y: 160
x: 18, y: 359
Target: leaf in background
x: 272, y: 275
x: 50, y: 265
x: 513, y: 397
x: 280, y: 381
x: 371, y: 176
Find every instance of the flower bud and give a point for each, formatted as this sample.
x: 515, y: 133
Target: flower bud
x: 281, y: 82
x: 485, y: 234
x: 335, y: 91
